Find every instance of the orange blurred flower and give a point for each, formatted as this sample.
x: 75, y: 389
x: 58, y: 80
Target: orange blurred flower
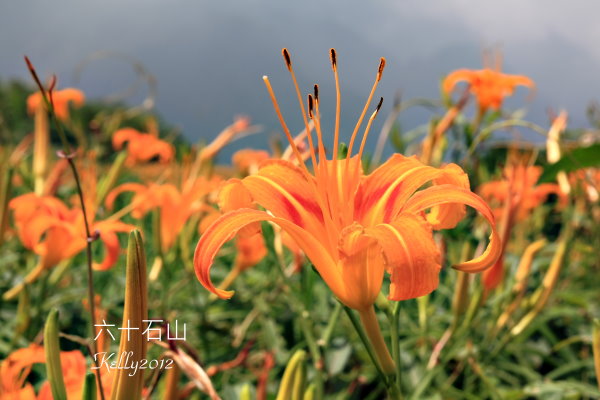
x: 515, y: 197
x: 489, y: 86
x: 176, y: 206
x: 55, y: 232
x: 519, y: 188
x: 142, y: 146
x: 15, y: 368
x: 61, y: 100
x: 352, y: 227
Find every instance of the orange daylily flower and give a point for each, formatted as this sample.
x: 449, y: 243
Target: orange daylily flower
x: 142, y: 146
x: 353, y: 227
x: 516, y: 196
x: 15, y: 368
x: 520, y: 189
x: 55, y: 232
x: 61, y: 100
x: 176, y: 206
x: 489, y: 86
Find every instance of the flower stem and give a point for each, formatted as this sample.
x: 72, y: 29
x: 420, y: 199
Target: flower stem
x: 369, y: 322
x: 67, y: 153
x: 394, y: 333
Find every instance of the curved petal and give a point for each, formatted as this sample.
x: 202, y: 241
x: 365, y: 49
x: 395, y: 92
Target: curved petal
x: 125, y: 187
x: 383, y: 193
x: 446, y: 216
x: 225, y: 228
x: 454, y: 77
x: 123, y: 135
x: 108, y: 235
x: 445, y: 194
x: 412, y: 257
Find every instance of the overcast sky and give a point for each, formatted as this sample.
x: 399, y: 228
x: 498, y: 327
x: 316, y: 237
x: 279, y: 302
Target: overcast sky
x: 209, y: 56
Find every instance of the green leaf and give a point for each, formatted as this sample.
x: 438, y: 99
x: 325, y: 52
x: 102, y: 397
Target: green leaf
x: 52, y: 350
x: 581, y: 157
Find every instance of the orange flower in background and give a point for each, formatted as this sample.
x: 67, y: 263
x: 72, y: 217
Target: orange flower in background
x: 520, y: 189
x: 353, y: 227
x: 176, y: 206
x: 489, y: 86
x: 515, y: 197
x: 15, y: 368
x: 142, y: 146
x: 61, y: 100
x: 55, y: 232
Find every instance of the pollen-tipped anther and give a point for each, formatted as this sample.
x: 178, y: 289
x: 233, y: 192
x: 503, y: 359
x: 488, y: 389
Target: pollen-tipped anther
x: 286, y: 57
x: 381, y: 68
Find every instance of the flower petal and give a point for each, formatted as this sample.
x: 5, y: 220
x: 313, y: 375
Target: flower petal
x: 445, y: 194
x: 457, y: 76
x: 362, y: 267
x: 412, y: 257
x: 446, y: 216
x: 108, y: 235
x: 383, y: 193
x: 284, y: 190
x: 225, y: 228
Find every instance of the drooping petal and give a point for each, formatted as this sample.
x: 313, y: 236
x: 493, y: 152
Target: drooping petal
x: 445, y: 194
x: 137, y: 188
x: 123, y: 135
x: 412, y: 257
x: 446, y: 216
x: 225, y: 228
x: 108, y: 235
x: 454, y: 77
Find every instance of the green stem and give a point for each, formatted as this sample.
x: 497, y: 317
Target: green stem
x: 315, y: 353
x: 361, y: 334
x: 394, y: 333
x: 331, y: 324
x: 369, y: 322
x: 67, y: 154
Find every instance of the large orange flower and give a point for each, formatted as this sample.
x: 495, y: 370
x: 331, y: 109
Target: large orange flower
x: 489, y: 86
x: 56, y: 232
x: 142, y: 146
x: 353, y: 227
